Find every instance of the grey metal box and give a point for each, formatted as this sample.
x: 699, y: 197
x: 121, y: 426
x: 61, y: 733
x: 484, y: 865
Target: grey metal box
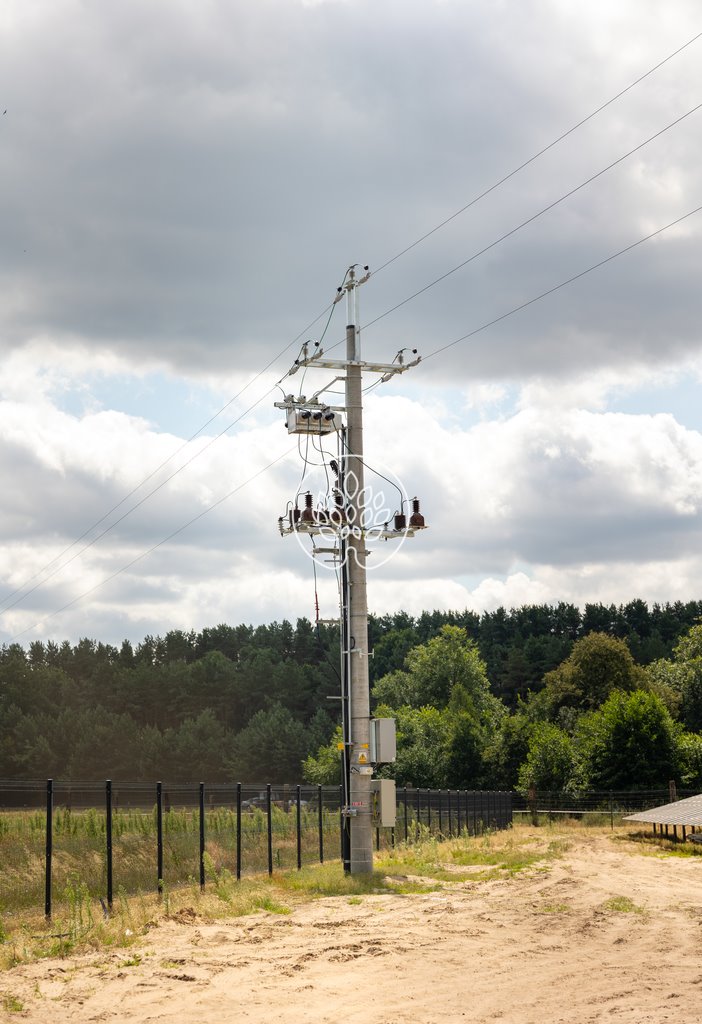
x: 383, y: 740
x: 383, y: 803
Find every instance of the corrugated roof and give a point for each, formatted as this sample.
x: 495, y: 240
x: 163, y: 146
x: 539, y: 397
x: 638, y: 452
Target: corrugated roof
x: 682, y: 812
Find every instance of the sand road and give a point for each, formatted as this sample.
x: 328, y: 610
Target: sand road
x: 544, y: 946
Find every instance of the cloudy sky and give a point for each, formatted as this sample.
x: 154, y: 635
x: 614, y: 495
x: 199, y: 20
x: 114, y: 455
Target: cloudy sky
x: 183, y: 185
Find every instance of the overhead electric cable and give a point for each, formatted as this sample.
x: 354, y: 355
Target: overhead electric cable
x: 438, y: 351
x: 535, y: 216
x: 562, y: 284
x: 330, y: 308
x: 536, y: 156
x: 24, y: 593
x: 133, y: 508
x: 155, y: 547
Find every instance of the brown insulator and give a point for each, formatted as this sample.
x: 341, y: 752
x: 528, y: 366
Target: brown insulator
x: 416, y: 519
x: 294, y: 516
x: 322, y: 516
x: 400, y: 521
x: 307, y: 512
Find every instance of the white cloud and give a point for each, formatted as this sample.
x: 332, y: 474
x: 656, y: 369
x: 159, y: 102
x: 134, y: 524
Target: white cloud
x: 185, y: 203
x: 563, y: 494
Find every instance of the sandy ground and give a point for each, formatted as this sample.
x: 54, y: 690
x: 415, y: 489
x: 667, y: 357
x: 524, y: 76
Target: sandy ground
x: 541, y: 947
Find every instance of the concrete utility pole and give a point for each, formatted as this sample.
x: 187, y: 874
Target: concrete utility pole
x: 346, y: 520
x: 361, y: 771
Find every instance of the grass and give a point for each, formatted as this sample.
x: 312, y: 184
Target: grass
x: 80, y: 924
x: 424, y: 867
x: 11, y: 1004
x: 660, y: 846
x: 79, y: 848
x: 622, y: 905
x: 493, y: 855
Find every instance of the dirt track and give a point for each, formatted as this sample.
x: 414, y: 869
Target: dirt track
x: 541, y: 947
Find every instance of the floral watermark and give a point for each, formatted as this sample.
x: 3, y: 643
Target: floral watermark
x: 360, y: 509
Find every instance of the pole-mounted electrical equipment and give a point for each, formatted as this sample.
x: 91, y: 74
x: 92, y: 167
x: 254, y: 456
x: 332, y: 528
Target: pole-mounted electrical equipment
x: 340, y: 515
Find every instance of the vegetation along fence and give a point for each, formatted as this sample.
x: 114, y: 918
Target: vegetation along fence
x: 595, y: 806
x: 109, y: 838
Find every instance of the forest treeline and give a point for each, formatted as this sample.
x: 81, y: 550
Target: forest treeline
x: 247, y: 703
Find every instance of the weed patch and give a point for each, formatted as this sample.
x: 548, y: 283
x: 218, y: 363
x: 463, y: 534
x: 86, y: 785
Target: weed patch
x: 12, y: 1004
x: 622, y: 905
x: 553, y: 908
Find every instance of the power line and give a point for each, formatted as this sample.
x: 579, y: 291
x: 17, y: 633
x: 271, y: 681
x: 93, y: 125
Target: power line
x: 431, y: 355
x: 24, y: 593
x: 562, y: 284
x: 154, y: 547
x: 133, y: 508
x: 535, y: 216
x: 330, y: 309
x: 536, y: 156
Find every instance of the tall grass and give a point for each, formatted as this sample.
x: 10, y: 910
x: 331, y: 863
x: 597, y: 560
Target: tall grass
x: 79, y: 921
x: 79, y: 842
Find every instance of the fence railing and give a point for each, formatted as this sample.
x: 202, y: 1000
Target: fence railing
x: 131, y: 837
x: 610, y: 802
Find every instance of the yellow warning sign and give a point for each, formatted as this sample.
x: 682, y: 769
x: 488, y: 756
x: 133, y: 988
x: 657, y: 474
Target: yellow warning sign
x: 340, y: 746
x: 362, y: 759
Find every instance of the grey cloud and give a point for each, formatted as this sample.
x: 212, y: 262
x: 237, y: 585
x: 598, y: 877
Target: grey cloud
x: 194, y: 183
x: 185, y: 184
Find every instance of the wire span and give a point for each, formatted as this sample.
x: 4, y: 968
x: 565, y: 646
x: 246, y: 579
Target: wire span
x: 155, y: 547
x: 329, y: 308
x: 534, y: 217
x: 536, y: 156
x: 562, y: 284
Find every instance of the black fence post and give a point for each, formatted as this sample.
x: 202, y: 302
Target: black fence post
x: 238, y: 831
x: 298, y: 824
x: 377, y: 840
x: 108, y: 839
x: 159, y: 838
x: 341, y: 822
x: 441, y: 816
x: 429, y: 810
x: 475, y: 813
x: 269, y: 827
x: 611, y: 811
x: 404, y: 794
x: 202, y: 835
x: 320, y: 821
x: 419, y: 811
x: 458, y: 813
x: 49, y: 845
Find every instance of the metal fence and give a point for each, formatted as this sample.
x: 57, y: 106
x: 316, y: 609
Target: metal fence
x: 112, y: 838
x: 611, y: 803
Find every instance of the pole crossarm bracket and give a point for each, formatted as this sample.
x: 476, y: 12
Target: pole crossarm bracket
x: 341, y: 523
x: 327, y: 529
x: 388, y: 370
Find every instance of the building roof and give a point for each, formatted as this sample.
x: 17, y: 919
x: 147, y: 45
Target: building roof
x: 682, y: 812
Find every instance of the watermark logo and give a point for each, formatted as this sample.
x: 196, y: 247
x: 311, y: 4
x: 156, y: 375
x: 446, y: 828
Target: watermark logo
x: 355, y: 510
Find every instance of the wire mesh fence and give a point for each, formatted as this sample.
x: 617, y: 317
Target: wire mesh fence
x: 610, y: 804
x: 115, y: 838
